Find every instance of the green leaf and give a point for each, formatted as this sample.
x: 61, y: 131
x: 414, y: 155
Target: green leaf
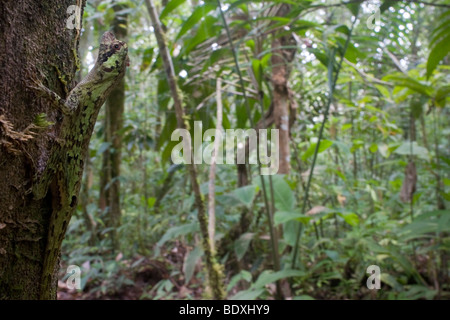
x: 354, y: 7
x: 383, y: 90
x: 284, y: 197
x: 172, y: 5
x: 441, y: 94
x: 351, y: 218
x: 352, y: 52
x: 416, y: 106
x: 241, y: 245
x: 320, y: 55
x: 390, y: 281
x: 440, y: 49
x: 163, y: 94
x: 284, y: 216
x: 427, y: 225
x: 303, y: 297
x: 384, y: 149
x: 243, y: 275
x: 199, y: 12
x: 245, y: 194
x: 166, y: 133
x: 208, y: 29
x: 175, y: 232
x: 373, y: 147
x: 257, y: 71
x: 268, y: 276
x: 290, y: 233
x: 406, y: 148
x: 402, y: 80
x: 247, y: 295
x: 386, y: 4
x: 151, y: 202
x: 191, y: 262
x: 324, y: 145
x: 147, y: 58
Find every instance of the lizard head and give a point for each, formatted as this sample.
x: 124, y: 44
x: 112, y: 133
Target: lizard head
x: 112, y: 55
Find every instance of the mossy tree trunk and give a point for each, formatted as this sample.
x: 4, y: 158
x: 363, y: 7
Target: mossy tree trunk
x: 34, y: 39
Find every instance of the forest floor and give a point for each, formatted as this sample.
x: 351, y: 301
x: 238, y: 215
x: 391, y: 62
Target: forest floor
x: 138, y: 278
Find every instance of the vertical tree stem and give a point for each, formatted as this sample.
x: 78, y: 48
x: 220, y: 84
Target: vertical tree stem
x: 215, y: 276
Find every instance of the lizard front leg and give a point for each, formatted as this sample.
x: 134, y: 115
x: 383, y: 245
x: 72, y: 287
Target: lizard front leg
x: 42, y: 91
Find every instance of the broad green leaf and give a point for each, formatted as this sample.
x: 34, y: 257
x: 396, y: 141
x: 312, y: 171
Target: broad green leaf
x: 163, y: 94
x: 257, y: 71
x: 171, y: 5
x: 390, y: 281
x: 438, y: 52
x: 324, y: 145
x: 401, y: 80
x: 241, y: 245
x: 357, y: 144
x: 245, y: 194
x: 151, y: 202
x: 290, y: 233
x: 332, y: 254
x: 147, y: 58
x: 247, y: 294
x: 284, y: 216
x: 166, y: 133
x: 416, y: 106
x: 418, y: 292
x: 415, y: 149
x: 383, y: 149
x: 208, y: 29
x: 284, y: 196
x: 190, y: 263
x: 175, y: 232
x: 303, y: 297
x: 354, y: 6
x: 320, y: 55
x: 441, y: 94
x: 199, y: 12
x: 351, y: 218
x: 268, y: 276
x: 243, y: 275
x: 383, y: 90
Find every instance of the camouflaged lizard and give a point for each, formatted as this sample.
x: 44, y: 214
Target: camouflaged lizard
x: 63, y: 174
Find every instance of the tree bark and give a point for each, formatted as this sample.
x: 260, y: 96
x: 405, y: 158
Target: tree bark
x: 33, y: 36
x: 282, y: 56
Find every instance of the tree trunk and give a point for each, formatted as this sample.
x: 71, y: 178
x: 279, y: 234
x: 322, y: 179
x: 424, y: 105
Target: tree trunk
x: 44, y: 137
x: 283, y: 53
x: 33, y: 36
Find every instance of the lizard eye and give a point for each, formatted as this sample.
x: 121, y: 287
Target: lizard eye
x: 116, y: 46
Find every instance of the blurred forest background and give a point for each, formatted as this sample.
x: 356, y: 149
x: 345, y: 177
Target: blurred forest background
x: 363, y: 88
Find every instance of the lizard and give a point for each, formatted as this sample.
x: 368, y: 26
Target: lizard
x: 63, y: 173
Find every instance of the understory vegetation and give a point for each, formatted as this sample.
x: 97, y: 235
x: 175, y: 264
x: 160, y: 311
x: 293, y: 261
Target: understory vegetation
x: 363, y: 88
